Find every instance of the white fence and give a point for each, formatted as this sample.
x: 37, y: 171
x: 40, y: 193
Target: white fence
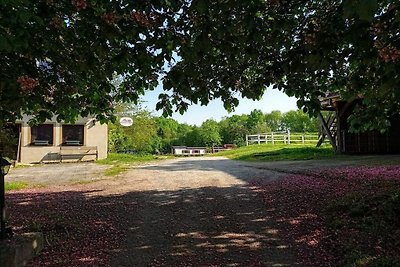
x: 282, y: 138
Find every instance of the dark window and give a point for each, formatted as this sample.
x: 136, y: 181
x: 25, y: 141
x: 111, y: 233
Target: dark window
x: 42, y: 134
x: 72, y: 135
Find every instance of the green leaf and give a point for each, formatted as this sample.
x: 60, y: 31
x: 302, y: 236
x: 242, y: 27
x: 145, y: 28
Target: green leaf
x: 367, y: 9
x: 5, y: 44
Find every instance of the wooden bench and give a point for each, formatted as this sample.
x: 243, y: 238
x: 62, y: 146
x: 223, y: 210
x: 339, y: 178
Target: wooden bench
x: 77, y: 152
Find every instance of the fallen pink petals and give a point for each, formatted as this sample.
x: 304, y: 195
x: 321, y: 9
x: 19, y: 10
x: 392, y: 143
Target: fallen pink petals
x: 296, y: 202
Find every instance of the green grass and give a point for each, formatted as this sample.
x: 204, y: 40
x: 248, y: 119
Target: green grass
x: 115, y: 170
x: 270, y: 152
x: 121, y: 162
x: 14, y: 186
x: 115, y: 158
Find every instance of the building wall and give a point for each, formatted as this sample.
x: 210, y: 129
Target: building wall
x: 95, y: 134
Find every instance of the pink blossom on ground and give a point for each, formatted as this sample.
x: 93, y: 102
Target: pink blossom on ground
x: 79, y: 230
x: 296, y: 203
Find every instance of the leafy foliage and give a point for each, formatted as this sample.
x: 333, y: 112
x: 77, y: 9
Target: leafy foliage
x: 209, y: 133
x: 234, y: 130
x: 298, y: 121
x: 59, y: 57
x: 305, y: 48
x: 141, y: 137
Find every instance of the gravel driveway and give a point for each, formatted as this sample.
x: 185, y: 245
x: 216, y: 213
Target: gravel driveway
x: 198, y: 212
x: 186, y: 211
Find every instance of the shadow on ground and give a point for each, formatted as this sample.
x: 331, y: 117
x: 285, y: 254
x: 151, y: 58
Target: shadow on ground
x: 245, y: 172
x: 194, y: 227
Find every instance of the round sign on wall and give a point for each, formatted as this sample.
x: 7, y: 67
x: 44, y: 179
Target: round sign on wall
x: 126, y: 121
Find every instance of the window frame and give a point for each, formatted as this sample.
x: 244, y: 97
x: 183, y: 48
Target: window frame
x: 79, y: 141
x: 37, y: 131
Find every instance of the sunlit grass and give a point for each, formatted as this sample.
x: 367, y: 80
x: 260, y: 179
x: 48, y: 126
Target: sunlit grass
x: 115, y: 170
x: 14, y: 186
x: 121, y: 162
x: 270, y: 152
x: 116, y: 158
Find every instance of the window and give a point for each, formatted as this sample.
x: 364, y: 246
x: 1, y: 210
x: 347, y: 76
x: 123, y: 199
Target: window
x: 72, y: 135
x: 42, y: 134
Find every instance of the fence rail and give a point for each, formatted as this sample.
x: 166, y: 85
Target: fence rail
x: 282, y: 138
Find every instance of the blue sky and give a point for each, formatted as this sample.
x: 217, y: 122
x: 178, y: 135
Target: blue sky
x: 196, y: 114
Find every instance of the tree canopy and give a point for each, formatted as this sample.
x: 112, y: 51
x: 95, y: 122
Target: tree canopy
x: 60, y: 56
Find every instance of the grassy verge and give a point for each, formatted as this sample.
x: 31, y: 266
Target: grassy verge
x: 367, y: 226
x: 270, y: 152
x: 121, y: 162
x: 14, y: 186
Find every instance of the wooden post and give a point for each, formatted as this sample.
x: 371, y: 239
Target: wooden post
x: 327, y: 131
x: 302, y: 139
x: 272, y: 138
x: 247, y: 140
x: 288, y: 137
x: 258, y: 138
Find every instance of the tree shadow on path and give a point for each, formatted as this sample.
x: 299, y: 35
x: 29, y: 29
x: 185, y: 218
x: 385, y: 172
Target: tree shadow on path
x: 192, y: 227
x: 202, y: 227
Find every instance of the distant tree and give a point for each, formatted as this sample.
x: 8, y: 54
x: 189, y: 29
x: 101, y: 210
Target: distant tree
x: 193, y: 137
x: 141, y: 137
x: 256, y: 122
x: 209, y: 133
x: 274, y: 121
x: 298, y: 121
x: 167, y: 131
x: 234, y: 130
x: 183, y: 131
x: 118, y: 140
x: 143, y: 133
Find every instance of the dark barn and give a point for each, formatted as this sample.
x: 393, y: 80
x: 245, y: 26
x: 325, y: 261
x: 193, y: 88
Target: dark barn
x: 336, y: 129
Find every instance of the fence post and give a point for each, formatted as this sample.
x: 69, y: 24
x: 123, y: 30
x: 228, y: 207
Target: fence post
x: 247, y: 140
x: 302, y: 139
x: 258, y: 138
x: 288, y: 131
x: 272, y: 138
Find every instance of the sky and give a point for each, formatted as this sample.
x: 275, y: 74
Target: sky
x: 195, y: 115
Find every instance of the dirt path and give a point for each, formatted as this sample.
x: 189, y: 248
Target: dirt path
x: 198, y: 212
x: 186, y: 211
x: 58, y: 174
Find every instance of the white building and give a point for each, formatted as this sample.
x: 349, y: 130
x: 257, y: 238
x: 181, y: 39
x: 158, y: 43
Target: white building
x: 188, y: 151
